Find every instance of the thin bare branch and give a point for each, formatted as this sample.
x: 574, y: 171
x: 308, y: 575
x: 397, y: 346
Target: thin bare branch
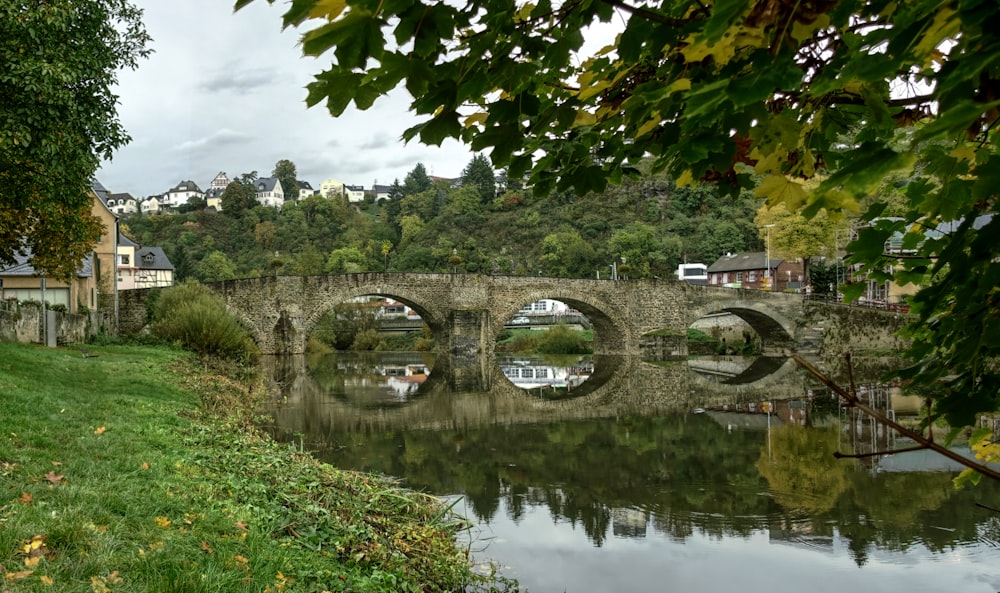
x: 917, y: 437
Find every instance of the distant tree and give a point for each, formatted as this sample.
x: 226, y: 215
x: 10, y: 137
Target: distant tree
x: 183, y: 268
x: 264, y: 233
x: 240, y: 195
x: 505, y: 183
x: 285, y: 171
x: 347, y: 260
x: 461, y: 201
x: 417, y: 181
x: 309, y: 261
x: 216, y: 266
x: 567, y: 254
x: 639, y: 251
x: 479, y: 174
x: 792, y: 235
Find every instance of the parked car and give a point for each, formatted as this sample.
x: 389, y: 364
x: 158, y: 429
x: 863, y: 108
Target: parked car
x: 520, y: 321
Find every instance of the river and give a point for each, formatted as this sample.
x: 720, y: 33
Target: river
x: 712, y: 478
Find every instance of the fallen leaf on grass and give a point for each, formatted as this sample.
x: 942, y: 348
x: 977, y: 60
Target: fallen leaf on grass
x: 15, y: 576
x: 25, y: 499
x: 57, y: 463
x: 145, y: 465
x: 31, y: 561
x: 240, y: 559
x: 206, y: 547
x: 54, y: 477
x: 47, y: 580
x: 162, y: 522
x: 99, y: 430
x: 240, y: 525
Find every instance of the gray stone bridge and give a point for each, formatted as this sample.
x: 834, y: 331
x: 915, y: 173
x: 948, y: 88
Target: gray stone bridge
x: 465, y: 313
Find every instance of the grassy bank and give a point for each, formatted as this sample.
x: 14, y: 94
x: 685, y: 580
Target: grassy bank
x: 118, y: 474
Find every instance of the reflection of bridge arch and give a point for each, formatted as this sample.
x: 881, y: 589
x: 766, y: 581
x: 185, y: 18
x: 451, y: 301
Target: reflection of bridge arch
x: 623, y: 386
x: 762, y: 370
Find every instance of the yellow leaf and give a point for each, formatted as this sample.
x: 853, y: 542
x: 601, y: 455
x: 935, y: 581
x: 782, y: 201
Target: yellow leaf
x: 99, y: 430
x: 778, y: 189
x: 32, y: 561
x: 768, y: 164
x: 803, y: 31
x: 681, y: 84
x: 592, y: 90
x: 524, y: 13
x: 685, y: 179
x: 584, y: 118
x: 328, y: 9
x: 46, y: 579
x: 653, y: 123
x: 14, y: 576
x: 162, y: 522
x: 476, y: 118
x: 963, y: 153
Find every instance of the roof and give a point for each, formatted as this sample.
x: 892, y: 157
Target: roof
x: 186, y: 186
x: 381, y: 189
x: 355, y: 187
x: 124, y: 196
x: 739, y: 262
x: 304, y: 185
x: 99, y: 189
x: 124, y: 240
x: 266, y: 184
x: 152, y: 258
x: 23, y: 267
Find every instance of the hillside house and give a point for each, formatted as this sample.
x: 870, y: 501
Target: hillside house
x: 122, y: 204
x: 181, y: 193
x: 269, y: 192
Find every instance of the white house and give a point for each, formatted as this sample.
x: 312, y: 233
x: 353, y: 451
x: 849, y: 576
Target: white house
x: 381, y: 192
x: 150, y: 205
x: 122, y: 204
x: 181, y: 193
x: 220, y: 182
x: 354, y: 193
x: 545, y: 307
x: 305, y: 190
x: 269, y: 192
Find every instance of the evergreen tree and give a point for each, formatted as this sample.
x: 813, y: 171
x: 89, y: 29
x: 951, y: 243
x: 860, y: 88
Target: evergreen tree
x: 479, y: 174
x: 417, y: 181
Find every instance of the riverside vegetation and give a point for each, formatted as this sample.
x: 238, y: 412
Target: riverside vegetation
x: 138, y: 468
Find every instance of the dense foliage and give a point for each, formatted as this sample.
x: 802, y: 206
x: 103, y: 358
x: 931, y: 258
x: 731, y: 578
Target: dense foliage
x: 58, y: 119
x: 648, y: 226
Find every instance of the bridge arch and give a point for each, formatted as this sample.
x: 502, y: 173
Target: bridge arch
x: 777, y: 332
x: 611, y: 332
x: 432, y: 317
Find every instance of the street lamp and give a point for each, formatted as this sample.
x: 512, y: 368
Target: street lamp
x: 767, y: 257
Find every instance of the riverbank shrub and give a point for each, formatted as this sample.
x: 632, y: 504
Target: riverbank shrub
x: 560, y: 339
x: 194, y: 318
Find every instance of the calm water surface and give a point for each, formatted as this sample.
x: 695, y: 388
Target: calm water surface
x: 703, y: 490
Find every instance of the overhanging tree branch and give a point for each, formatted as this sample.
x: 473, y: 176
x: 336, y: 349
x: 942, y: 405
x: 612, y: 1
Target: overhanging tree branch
x: 925, y: 443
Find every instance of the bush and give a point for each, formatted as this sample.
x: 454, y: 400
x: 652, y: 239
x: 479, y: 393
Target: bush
x: 190, y: 315
x: 562, y: 340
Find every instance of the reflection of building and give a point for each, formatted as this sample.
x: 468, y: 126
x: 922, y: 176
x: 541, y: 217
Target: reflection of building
x: 629, y: 522
x: 526, y: 375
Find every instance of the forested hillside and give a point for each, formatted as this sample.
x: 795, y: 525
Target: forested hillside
x: 480, y: 225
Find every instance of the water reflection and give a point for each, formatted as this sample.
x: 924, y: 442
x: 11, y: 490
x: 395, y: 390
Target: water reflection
x: 568, y: 493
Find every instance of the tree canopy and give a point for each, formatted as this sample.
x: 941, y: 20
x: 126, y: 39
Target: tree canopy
x: 765, y: 94
x: 58, y: 119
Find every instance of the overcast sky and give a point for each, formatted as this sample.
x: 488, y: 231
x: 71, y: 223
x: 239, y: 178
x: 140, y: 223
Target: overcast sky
x: 225, y: 92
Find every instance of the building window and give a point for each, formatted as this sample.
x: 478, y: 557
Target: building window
x: 752, y: 276
x: 739, y: 276
x: 125, y: 259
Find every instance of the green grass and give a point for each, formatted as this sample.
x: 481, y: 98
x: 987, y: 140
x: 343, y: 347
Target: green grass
x: 116, y: 475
